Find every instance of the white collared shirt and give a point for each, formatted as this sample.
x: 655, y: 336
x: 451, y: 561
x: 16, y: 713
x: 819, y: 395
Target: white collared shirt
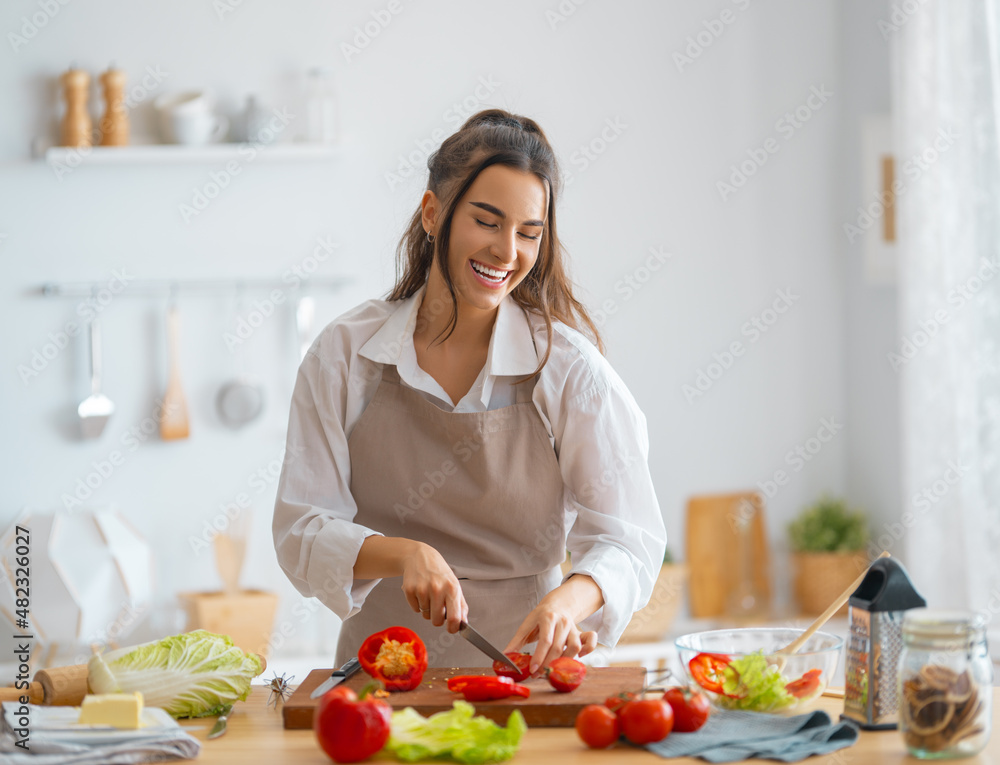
x: 616, y: 533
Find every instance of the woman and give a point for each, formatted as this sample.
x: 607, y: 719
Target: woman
x: 457, y: 438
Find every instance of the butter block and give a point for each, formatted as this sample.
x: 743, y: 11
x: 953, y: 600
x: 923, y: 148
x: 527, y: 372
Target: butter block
x: 121, y: 710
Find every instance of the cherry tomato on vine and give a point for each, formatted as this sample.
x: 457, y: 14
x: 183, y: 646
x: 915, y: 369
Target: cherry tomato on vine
x: 691, y: 709
x: 646, y: 720
x: 615, y: 703
x: 597, y: 726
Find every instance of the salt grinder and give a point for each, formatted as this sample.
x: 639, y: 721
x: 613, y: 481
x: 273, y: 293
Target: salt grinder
x: 875, y: 641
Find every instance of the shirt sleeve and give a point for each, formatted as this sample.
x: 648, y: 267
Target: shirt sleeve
x: 315, y: 538
x: 618, y: 536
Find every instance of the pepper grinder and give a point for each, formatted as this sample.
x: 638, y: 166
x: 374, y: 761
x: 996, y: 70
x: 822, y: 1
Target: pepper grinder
x: 114, y: 125
x: 76, y: 125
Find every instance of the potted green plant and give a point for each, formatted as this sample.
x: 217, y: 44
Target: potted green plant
x: 828, y: 541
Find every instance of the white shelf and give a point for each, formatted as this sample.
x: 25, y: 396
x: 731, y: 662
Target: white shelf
x: 154, y: 154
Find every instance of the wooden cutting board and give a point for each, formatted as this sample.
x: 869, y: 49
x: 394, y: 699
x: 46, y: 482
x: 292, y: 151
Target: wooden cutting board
x: 713, y: 551
x: 545, y: 708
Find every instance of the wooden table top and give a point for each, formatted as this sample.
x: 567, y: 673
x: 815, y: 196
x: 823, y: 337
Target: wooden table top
x: 255, y: 735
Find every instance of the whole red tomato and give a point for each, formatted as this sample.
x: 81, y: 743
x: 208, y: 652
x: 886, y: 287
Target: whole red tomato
x: 691, y: 709
x: 349, y: 729
x: 523, y: 662
x: 566, y: 674
x: 646, y: 720
x: 597, y: 726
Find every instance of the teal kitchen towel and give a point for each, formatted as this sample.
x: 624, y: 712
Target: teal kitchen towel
x: 733, y: 736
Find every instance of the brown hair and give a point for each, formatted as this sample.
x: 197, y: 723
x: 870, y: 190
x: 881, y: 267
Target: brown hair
x: 492, y: 137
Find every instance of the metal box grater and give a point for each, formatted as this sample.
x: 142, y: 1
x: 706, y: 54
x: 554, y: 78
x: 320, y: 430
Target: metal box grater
x: 874, y: 643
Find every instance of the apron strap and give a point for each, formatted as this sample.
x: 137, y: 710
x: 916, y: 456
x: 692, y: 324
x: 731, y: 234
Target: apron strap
x: 389, y: 373
x: 523, y: 391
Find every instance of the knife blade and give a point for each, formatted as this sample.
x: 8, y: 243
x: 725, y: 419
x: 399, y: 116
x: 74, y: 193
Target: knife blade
x: 336, y: 677
x: 485, y: 646
x: 220, y: 725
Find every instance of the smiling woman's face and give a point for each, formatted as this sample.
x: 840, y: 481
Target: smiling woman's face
x: 496, y: 232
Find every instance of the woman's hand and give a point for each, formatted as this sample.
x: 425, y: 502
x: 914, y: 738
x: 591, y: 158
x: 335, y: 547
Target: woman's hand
x: 432, y: 589
x: 552, y: 623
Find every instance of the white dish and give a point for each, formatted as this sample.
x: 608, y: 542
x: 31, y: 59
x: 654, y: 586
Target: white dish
x: 60, y: 724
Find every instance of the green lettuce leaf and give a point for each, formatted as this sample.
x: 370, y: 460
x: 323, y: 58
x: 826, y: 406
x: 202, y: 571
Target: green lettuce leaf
x: 758, y: 684
x: 458, y: 733
x: 189, y: 675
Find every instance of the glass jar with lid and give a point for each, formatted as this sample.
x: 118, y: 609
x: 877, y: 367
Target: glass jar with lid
x: 945, y: 684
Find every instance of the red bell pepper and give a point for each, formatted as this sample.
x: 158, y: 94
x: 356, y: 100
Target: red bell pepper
x: 486, y: 688
x: 395, y: 656
x: 707, y: 670
x: 349, y: 729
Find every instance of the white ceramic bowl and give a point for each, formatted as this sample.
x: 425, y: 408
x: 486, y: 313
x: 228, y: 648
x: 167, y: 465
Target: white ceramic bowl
x: 803, y: 675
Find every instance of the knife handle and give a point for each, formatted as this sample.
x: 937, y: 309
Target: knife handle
x: 348, y: 669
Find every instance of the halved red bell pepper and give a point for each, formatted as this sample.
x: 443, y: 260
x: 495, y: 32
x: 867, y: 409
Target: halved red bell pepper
x: 486, y: 688
x: 395, y: 656
x: 707, y: 670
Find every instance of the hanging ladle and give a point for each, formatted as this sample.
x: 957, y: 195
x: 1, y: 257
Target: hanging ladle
x: 95, y: 410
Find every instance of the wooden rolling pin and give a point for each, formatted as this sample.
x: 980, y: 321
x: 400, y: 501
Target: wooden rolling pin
x: 60, y: 686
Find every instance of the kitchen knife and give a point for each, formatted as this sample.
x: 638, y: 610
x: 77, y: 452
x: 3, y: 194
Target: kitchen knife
x: 337, y: 676
x: 485, y: 646
x: 220, y: 725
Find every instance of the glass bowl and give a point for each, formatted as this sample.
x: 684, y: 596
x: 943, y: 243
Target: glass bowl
x: 736, y: 668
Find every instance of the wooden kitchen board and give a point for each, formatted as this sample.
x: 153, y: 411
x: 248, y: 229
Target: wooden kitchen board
x: 545, y: 708
x: 713, y: 555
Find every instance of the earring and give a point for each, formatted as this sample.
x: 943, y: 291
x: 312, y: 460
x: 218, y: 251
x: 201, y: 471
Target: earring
x: 430, y: 237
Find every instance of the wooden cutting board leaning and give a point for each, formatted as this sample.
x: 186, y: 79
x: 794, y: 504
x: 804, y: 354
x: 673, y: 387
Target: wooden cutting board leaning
x: 545, y: 708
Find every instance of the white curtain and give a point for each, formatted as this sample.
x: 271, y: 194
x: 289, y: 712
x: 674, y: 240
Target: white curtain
x: 946, y: 98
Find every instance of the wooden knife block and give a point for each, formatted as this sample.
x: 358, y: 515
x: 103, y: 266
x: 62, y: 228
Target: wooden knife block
x: 247, y: 616
x: 712, y: 540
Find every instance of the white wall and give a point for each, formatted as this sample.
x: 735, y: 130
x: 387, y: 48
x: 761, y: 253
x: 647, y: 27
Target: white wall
x: 654, y: 186
x: 872, y: 387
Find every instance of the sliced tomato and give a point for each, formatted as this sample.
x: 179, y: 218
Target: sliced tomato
x: 805, y: 685
x: 708, y: 670
x: 521, y: 660
x: 565, y: 674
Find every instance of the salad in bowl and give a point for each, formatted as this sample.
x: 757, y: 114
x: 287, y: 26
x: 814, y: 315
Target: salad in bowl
x: 739, y: 668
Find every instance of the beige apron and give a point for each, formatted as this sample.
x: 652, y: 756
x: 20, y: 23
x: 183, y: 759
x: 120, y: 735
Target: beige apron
x: 483, y: 488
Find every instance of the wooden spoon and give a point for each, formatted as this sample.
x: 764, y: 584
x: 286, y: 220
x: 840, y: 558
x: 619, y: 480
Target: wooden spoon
x: 824, y: 617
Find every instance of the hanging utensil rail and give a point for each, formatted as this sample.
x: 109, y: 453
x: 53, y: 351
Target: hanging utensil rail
x: 173, y: 287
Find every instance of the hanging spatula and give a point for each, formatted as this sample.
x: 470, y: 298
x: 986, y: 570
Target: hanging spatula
x: 174, y: 415
x: 95, y: 410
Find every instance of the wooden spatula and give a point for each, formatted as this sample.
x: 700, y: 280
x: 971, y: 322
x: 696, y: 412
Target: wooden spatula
x: 824, y: 617
x: 174, y: 415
